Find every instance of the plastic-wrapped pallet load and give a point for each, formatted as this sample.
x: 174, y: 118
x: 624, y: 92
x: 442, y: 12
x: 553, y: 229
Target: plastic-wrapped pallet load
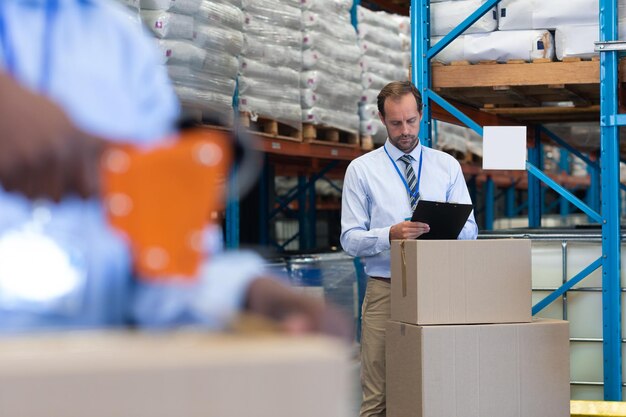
x: 578, y: 40
x: 386, y: 57
x: 132, y: 10
x: 500, y: 46
x: 200, y: 41
x: 271, y: 60
x: 446, y: 15
x: 331, y: 79
x: 539, y: 14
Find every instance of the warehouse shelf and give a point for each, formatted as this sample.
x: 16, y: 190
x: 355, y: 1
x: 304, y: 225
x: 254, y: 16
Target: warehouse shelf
x: 519, y: 91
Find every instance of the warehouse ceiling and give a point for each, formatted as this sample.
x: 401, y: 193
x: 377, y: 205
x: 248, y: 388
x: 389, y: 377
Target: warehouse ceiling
x: 392, y: 6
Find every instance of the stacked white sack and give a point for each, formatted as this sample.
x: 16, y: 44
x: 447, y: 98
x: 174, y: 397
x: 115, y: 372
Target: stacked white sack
x: 271, y: 60
x: 579, y: 40
x: 540, y: 14
x: 386, y: 56
x: 131, y: 10
x: 498, y: 46
x: 330, y: 81
x: 203, y: 74
x: 445, y: 16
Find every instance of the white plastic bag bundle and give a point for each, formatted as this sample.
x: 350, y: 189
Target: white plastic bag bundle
x: 349, y: 122
x: 340, y: 7
x: 368, y: 111
x: 384, y: 70
x: 289, y: 113
x: 331, y: 46
x: 539, y: 14
x: 267, y: 90
x: 267, y: 32
x: 499, y: 46
x: 445, y: 16
x: 274, y: 13
x: 342, y: 103
x: 329, y: 23
x: 380, y: 53
x: 404, y: 24
x: 273, y: 55
x: 578, y: 40
x: 244, y: 4
x: 369, y: 96
x: 221, y: 63
x: 189, y: 77
x: 218, y: 39
x: 165, y: 25
x: 369, y: 127
x: 314, y: 60
x: 371, y: 81
x: 384, y: 38
x: 206, y: 101
x: 177, y: 52
x: 262, y: 71
x: 188, y: 7
x: 379, y: 19
x: 220, y: 14
x: 324, y: 82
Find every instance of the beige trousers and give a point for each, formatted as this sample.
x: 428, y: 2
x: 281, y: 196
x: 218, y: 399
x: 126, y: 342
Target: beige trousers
x: 376, y: 312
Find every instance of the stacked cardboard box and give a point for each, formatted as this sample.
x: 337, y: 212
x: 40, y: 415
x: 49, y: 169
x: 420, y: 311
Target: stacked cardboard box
x: 461, y: 341
x: 173, y: 374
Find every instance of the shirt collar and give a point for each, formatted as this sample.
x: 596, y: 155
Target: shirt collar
x: 396, y: 153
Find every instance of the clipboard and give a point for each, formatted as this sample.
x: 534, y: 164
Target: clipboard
x: 446, y: 220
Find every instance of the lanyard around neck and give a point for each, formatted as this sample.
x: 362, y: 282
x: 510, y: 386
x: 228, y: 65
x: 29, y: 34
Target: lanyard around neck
x: 406, y: 184
x: 10, y: 58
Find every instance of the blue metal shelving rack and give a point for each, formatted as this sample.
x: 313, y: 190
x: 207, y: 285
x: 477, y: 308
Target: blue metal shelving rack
x: 608, y: 216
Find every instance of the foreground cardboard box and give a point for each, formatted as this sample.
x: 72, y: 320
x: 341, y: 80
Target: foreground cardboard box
x: 461, y: 281
x: 512, y: 370
x: 130, y: 375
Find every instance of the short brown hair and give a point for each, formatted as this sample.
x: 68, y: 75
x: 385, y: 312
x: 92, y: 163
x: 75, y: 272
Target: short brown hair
x: 398, y: 89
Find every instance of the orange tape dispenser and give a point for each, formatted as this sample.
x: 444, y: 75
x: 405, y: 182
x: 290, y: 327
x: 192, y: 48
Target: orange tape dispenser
x: 161, y: 198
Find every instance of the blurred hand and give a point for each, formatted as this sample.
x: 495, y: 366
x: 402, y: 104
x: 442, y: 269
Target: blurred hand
x: 408, y: 230
x: 42, y: 154
x: 297, y: 313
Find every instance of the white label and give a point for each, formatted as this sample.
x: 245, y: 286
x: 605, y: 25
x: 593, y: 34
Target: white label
x: 504, y: 147
x: 275, y: 145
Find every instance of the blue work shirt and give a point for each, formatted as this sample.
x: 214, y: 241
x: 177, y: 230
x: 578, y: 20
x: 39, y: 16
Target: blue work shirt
x: 375, y: 198
x: 105, y: 73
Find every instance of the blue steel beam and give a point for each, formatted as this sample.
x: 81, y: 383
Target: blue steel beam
x: 293, y: 194
x: 421, y: 74
x: 312, y: 219
x: 535, y: 156
x: 302, y: 217
x: 562, y: 191
x: 567, y: 286
x: 509, y: 206
x: 564, y: 166
x: 569, y: 147
x: 609, y: 163
x: 454, y: 33
x: 489, y: 203
x: 264, y: 203
x: 232, y: 213
x: 455, y: 112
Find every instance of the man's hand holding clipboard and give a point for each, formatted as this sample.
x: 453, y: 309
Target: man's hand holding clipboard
x: 444, y: 220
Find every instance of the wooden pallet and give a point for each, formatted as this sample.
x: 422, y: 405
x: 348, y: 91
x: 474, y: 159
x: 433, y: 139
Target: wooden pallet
x: 270, y: 128
x: 526, y: 92
x: 367, y: 142
x: 329, y: 135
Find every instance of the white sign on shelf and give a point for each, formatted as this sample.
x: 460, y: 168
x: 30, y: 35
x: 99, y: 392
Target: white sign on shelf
x: 504, y: 147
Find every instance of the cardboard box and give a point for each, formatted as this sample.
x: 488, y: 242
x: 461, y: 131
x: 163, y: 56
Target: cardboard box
x: 461, y: 281
x: 493, y: 370
x: 165, y: 375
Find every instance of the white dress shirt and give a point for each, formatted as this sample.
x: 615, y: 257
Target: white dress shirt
x: 375, y: 198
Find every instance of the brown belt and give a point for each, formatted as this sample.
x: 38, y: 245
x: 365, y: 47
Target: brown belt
x: 383, y: 279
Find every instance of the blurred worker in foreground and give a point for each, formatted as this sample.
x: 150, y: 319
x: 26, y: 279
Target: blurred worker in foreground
x: 380, y: 192
x: 74, y: 76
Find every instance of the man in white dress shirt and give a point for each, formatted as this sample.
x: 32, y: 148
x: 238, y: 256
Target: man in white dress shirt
x: 380, y: 191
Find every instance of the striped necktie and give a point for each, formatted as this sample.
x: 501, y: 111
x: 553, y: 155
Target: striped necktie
x: 411, y: 179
